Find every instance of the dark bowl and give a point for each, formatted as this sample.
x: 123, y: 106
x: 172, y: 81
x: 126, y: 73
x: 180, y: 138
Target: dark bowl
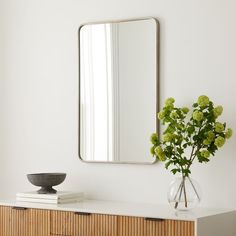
x: 46, y: 181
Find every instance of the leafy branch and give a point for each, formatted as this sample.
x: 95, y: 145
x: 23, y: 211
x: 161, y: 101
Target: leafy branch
x: 198, y: 133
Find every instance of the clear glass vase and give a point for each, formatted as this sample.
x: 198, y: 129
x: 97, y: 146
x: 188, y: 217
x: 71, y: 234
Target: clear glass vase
x: 184, y: 193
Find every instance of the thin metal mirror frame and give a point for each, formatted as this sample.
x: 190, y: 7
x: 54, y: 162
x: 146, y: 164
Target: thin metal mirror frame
x: 157, y: 84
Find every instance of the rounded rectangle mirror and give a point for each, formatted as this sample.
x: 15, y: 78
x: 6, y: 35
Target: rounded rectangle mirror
x: 118, y: 90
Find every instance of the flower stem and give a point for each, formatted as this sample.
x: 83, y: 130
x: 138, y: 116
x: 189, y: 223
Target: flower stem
x: 194, y: 188
x: 180, y: 194
x: 185, y: 195
x: 178, y: 190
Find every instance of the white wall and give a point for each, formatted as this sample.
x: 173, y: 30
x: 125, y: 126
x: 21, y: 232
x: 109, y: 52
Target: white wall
x: 39, y: 80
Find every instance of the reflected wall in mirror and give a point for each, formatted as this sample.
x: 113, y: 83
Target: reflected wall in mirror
x: 118, y: 90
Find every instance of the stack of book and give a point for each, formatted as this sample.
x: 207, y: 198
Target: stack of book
x: 57, y: 198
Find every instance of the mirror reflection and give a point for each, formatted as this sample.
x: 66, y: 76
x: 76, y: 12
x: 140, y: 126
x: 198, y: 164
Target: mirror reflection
x: 118, y: 91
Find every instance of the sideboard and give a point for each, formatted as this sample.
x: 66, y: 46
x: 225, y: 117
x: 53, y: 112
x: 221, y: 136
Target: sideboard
x: 106, y: 218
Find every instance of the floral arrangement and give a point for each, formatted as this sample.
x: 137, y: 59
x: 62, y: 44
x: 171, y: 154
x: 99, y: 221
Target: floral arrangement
x: 188, y: 137
x: 198, y: 134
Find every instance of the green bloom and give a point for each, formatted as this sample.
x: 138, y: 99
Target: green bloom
x: 152, y: 150
x: 228, y: 133
x: 205, y: 153
x: 173, y: 115
x: 203, y: 101
x: 206, y: 142
x: 154, y: 138
x: 169, y: 101
x: 210, y: 136
x: 219, y: 127
x: 160, y: 153
x: 219, y: 141
x: 197, y: 115
x: 161, y: 115
x: 217, y: 111
x: 158, y: 150
x: 185, y: 110
x: 168, y: 137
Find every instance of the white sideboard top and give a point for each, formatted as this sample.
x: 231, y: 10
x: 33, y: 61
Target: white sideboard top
x: 123, y: 208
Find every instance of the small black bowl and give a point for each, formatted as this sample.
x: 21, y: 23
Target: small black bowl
x: 46, y: 181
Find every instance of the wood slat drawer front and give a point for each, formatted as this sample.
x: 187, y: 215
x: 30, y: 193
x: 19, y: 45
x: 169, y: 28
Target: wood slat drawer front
x: 180, y: 228
x: 94, y: 225
x: 5, y: 220
x: 130, y: 226
x: 61, y: 223
x: 39, y: 222
x: 139, y: 226
x: 155, y: 227
x: 19, y: 221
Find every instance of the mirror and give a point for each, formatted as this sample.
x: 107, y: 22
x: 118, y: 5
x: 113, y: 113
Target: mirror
x: 118, y: 89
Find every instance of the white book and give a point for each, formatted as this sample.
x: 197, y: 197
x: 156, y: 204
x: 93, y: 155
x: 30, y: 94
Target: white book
x: 53, y: 196
x: 51, y: 201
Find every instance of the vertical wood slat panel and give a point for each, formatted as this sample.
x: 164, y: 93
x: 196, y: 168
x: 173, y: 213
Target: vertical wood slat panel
x: 5, y: 220
x: 19, y: 222
x: 95, y: 225
x: 39, y: 222
x: 155, y: 228
x: 138, y: 226
x: 83, y: 225
x: 61, y: 222
x: 180, y: 228
x: 130, y: 226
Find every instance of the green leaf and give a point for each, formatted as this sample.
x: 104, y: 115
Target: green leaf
x: 174, y: 171
x: 180, y: 150
x: 191, y: 129
x: 186, y: 172
x: 168, y: 164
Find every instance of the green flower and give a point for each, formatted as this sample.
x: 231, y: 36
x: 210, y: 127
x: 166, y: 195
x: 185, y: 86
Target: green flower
x: 173, y: 115
x: 152, y: 150
x: 217, y: 111
x: 161, y: 115
x: 206, y: 142
x: 219, y: 127
x: 168, y: 137
x: 154, y: 138
x: 205, y: 153
x: 169, y: 101
x: 197, y: 115
x: 219, y: 141
x: 185, y: 110
x: 160, y: 153
x: 210, y: 136
x: 203, y: 101
x: 228, y: 133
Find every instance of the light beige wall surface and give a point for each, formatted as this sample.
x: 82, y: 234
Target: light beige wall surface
x: 39, y: 92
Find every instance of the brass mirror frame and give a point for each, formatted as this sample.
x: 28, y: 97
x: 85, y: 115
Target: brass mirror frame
x: 157, y: 82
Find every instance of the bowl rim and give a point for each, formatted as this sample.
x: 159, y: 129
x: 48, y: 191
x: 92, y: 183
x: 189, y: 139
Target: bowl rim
x: 49, y: 173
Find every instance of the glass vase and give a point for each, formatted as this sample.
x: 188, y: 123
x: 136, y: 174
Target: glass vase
x: 184, y: 193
